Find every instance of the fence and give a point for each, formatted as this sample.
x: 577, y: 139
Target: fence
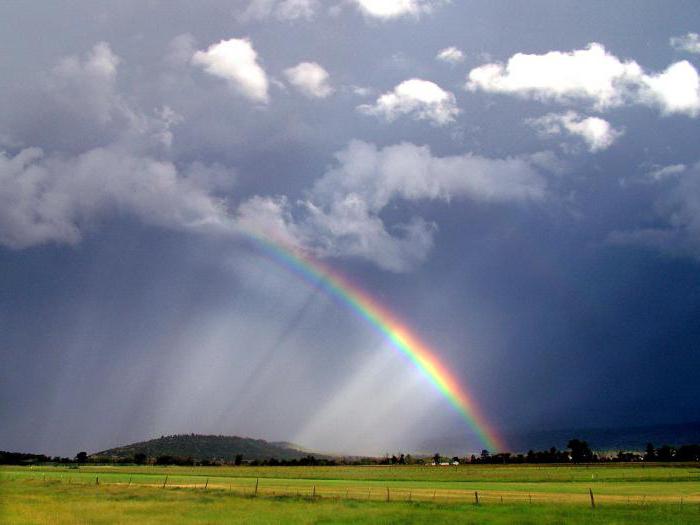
x: 293, y: 488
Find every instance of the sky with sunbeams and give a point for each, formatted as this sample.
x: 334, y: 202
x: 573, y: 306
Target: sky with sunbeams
x: 517, y: 185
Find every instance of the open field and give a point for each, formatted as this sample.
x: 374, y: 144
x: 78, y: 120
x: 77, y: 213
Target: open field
x: 419, y: 494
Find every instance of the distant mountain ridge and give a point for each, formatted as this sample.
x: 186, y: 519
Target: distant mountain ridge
x: 207, y: 447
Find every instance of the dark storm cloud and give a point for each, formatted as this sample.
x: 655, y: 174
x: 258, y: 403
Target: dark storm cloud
x: 539, y: 231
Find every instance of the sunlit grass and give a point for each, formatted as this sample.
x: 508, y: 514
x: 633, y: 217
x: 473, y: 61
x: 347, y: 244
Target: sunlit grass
x: 26, y: 501
x: 400, y: 494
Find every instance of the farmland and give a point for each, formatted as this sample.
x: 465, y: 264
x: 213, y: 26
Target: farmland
x: 477, y: 493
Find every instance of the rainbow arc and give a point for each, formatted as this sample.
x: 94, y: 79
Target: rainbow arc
x: 385, y: 322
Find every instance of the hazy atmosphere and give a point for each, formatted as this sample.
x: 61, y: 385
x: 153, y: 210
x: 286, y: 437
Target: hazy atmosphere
x: 519, y: 184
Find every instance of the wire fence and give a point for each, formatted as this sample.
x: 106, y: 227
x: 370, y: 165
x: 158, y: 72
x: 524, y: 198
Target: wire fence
x: 282, y: 488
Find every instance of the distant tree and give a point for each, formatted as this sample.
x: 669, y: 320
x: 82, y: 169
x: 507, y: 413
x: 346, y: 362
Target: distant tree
x: 238, y: 460
x: 140, y: 458
x: 485, y: 455
x: 455, y: 459
x: 165, y: 460
x: 436, y: 458
x: 580, y: 451
x: 402, y: 459
x: 666, y: 453
x: 81, y: 457
x: 650, y: 454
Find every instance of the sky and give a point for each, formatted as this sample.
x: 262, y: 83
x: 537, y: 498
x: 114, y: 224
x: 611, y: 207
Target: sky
x: 518, y: 183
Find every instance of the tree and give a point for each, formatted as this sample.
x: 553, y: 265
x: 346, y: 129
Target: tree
x: 238, y: 460
x: 436, y: 458
x: 650, y: 454
x: 81, y: 457
x: 140, y: 458
x: 580, y: 451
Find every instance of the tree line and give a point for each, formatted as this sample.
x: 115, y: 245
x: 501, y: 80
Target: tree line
x: 578, y: 451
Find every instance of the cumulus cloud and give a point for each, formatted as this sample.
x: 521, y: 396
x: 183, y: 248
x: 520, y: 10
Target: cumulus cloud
x: 690, y: 43
x: 676, y: 90
x: 310, y: 79
x: 386, y: 9
x: 591, y: 75
x: 419, y: 99
x: 596, y: 132
x: 88, y: 85
x: 236, y: 61
x: 451, y: 55
x: 50, y: 198
x: 341, y: 215
x: 280, y: 9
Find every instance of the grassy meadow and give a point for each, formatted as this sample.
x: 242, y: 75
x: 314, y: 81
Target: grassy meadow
x: 627, y: 493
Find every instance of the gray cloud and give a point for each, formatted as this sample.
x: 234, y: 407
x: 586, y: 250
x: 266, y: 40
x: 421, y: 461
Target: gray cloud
x: 341, y: 215
x: 55, y: 199
x: 677, y: 206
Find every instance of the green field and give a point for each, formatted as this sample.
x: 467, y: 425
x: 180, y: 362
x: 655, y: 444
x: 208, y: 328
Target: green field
x: 385, y: 494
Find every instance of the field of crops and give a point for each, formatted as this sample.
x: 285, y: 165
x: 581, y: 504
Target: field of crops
x: 483, y: 494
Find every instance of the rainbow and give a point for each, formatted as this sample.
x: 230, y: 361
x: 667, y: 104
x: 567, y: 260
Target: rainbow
x: 380, y: 318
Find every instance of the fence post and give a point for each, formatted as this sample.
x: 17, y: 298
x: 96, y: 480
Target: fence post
x: 206, y: 484
x: 476, y: 497
x: 165, y: 481
x: 129, y: 485
x: 314, y: 493
x: 97, y: 480
x: 388, y: 496
x: 590, y: 491
x: 257, y: 481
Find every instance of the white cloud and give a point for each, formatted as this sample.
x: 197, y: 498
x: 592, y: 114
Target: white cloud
x: 386, y: 9
x: 310, y: 79
x: 451, y: 55
x: 420, y: 99
x: 689, y: 43
x: 664, y: 172
x: 236, y: 61
x: 341, y: 215
x: 596, y: 132
x: 676, y: 90
x: 56, y: 199
x: 591, y: 75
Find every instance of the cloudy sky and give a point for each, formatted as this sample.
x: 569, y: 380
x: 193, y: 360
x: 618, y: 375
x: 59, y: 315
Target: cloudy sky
x: 519, y: 182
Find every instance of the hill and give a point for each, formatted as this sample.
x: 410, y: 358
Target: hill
x: 199, y: 447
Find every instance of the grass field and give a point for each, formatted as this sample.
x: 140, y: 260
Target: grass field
x: 398, y: 494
